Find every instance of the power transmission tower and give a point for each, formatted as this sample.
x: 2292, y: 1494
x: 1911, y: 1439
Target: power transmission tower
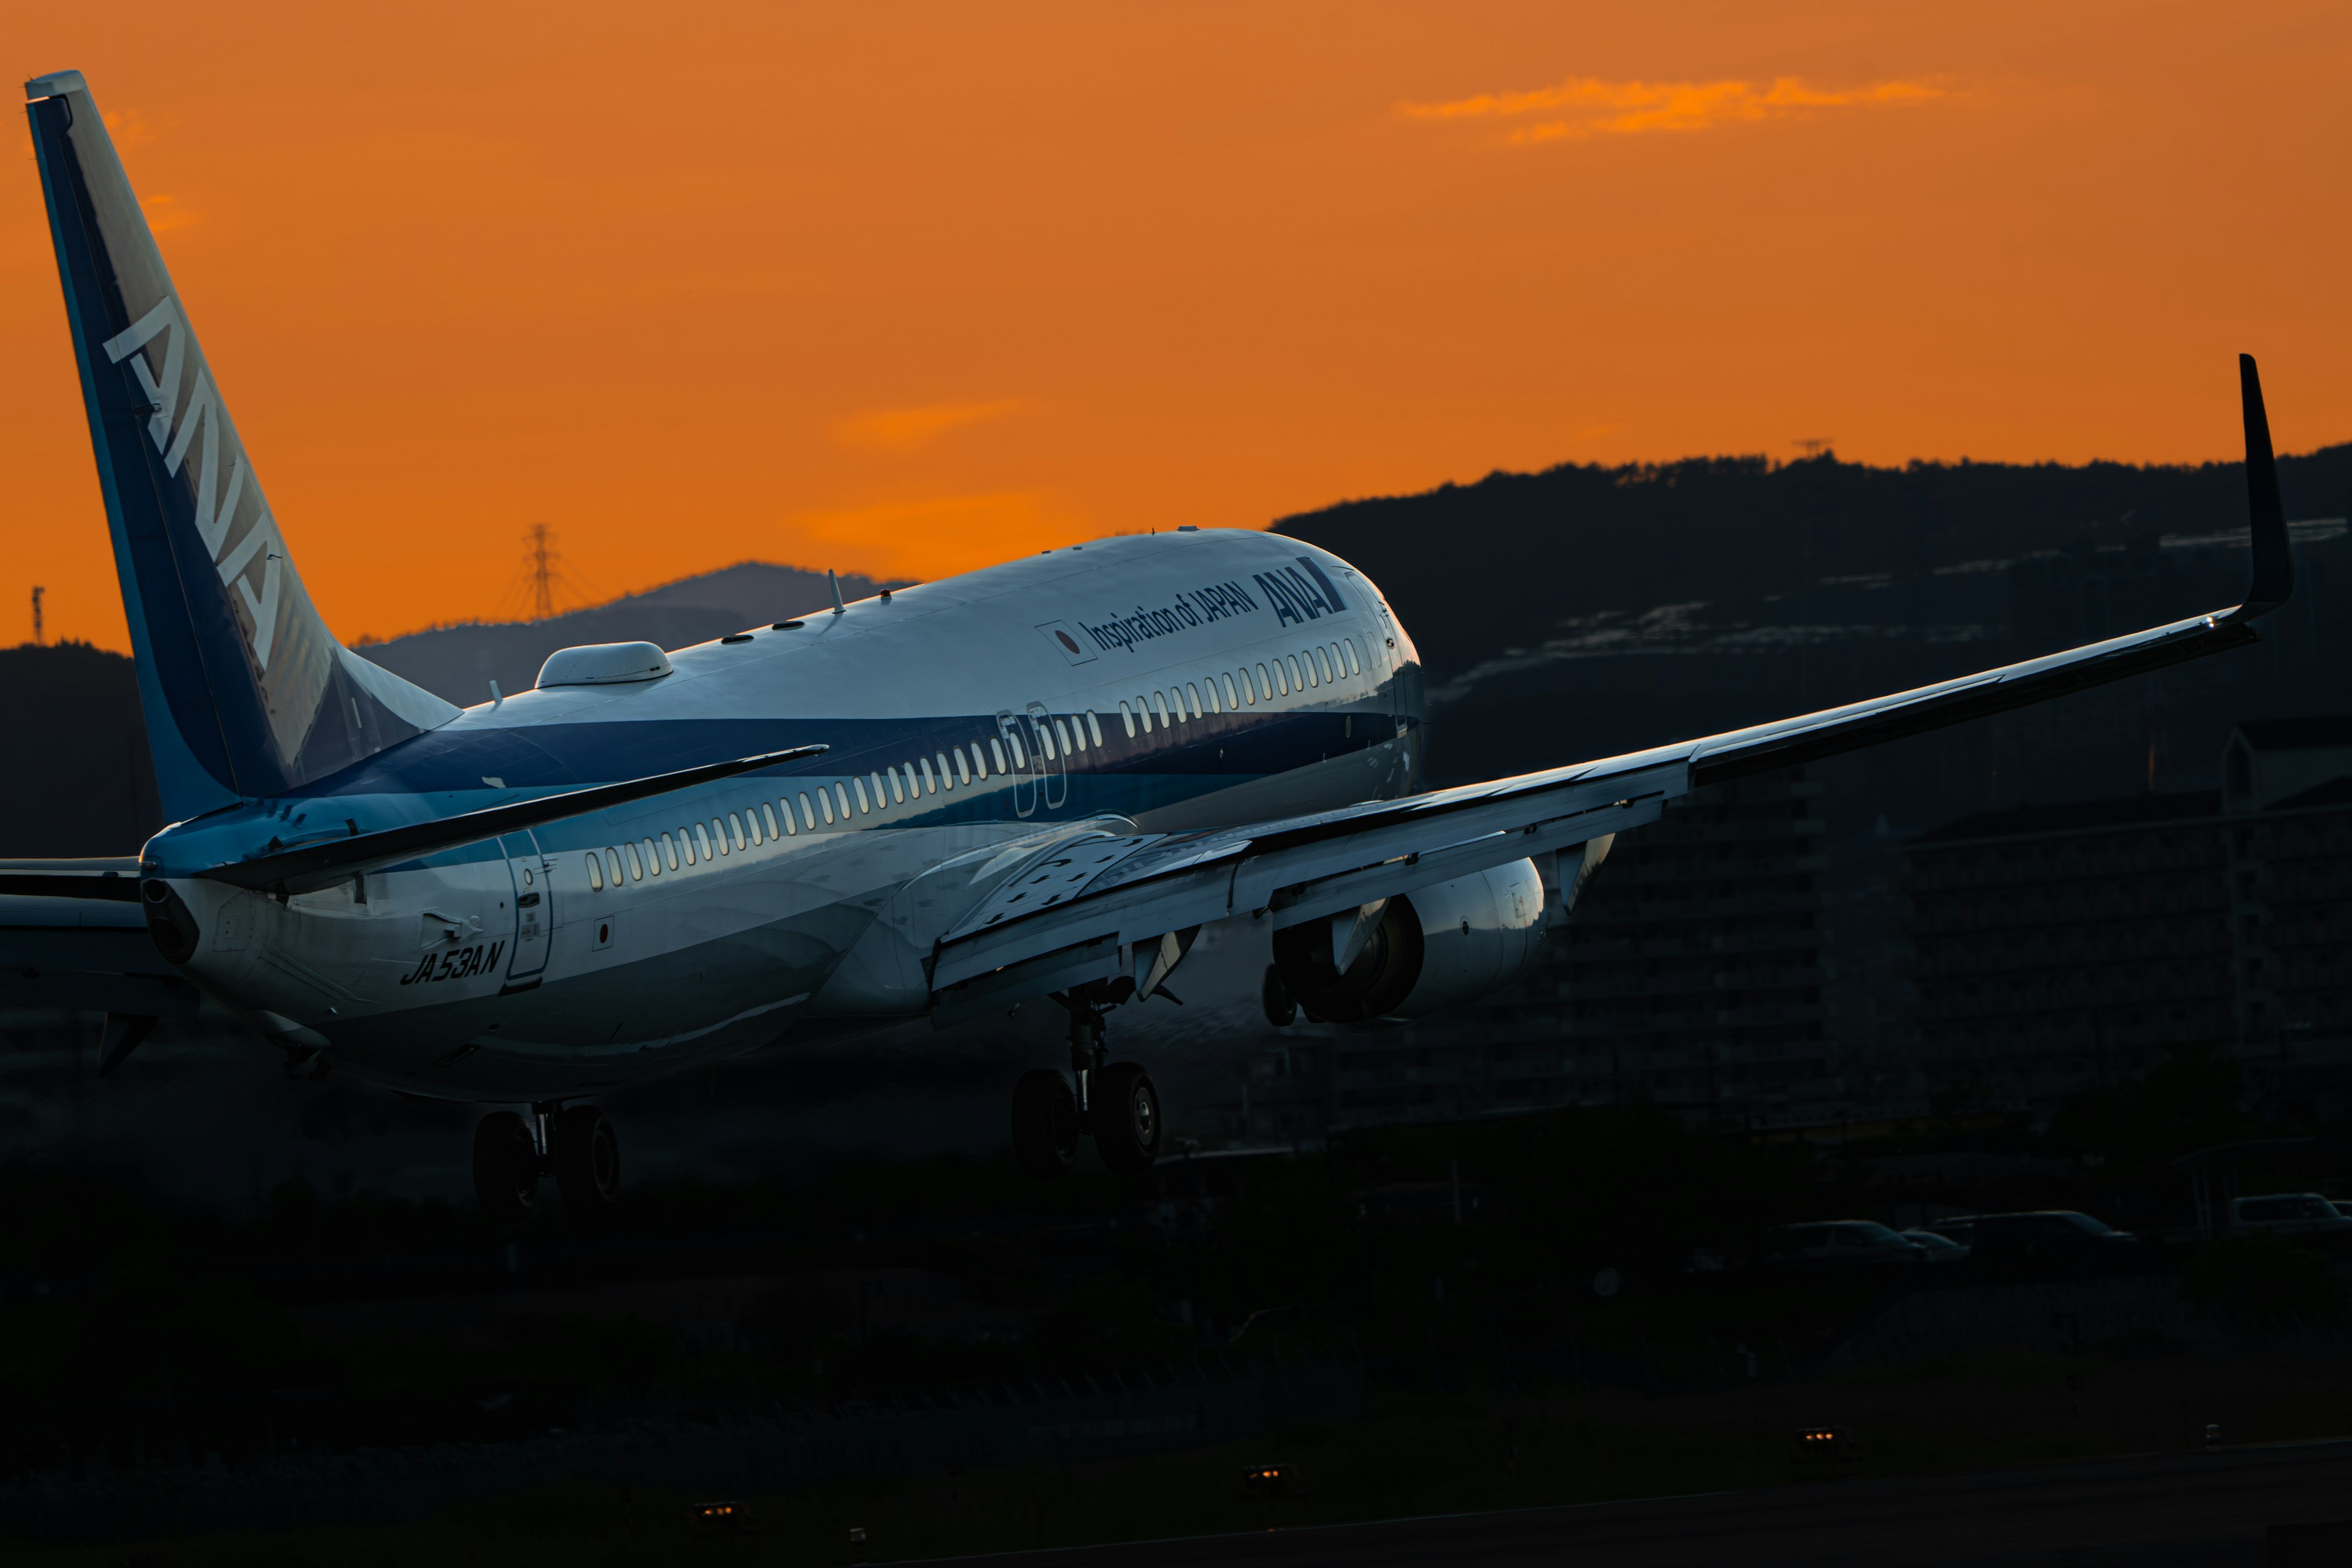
x: 541, y: 561
x: 37, y: 592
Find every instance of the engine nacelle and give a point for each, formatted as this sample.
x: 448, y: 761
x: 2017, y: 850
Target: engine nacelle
x: 1436, y: 947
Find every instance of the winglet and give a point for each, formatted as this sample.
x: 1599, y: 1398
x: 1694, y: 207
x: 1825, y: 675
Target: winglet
x: 2274, y: 578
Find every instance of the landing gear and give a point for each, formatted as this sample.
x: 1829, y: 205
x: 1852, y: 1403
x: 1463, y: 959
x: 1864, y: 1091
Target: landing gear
x: 576, y: 1146
x: 1045, y: 1124
x: 1125, y: 1110
x: 587, y: 1161
x: 1116, y: 1103
x: 505, y: 1167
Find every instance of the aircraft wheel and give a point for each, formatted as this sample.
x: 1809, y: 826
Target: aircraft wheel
x: 505, y: 1167
x: 587, y: 1161
x: 1045, y: 1124
x: 1125, y: 1117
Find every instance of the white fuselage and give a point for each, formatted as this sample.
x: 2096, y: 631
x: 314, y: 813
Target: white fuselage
x: 1161, y: 683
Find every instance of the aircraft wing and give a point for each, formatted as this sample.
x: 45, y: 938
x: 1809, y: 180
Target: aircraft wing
x: 72, y: 937
x: 1093, y: 906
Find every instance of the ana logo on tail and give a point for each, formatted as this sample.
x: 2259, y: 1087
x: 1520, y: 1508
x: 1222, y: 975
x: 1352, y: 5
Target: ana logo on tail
x: 174, y: 430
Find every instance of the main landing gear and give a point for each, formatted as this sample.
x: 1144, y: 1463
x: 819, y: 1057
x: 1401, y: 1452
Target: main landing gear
x: 574, y: 1144
x: 1115, y: 1103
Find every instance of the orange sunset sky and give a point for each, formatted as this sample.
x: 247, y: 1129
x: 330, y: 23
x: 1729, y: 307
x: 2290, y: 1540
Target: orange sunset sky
x: 908, y: 288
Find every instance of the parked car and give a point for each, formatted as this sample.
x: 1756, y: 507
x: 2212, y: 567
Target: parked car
x: 1939, y: 1248
x: 1844, y: 1241
x: 2287, y: 1213
x: 1960, y: 1230
x: 2051, y: 1236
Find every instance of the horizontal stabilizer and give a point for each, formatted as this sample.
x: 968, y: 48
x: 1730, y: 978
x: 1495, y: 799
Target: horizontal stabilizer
x: 311, y: 866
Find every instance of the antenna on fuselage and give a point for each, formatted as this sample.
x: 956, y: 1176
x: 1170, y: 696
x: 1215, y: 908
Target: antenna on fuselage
x: 837, y: 605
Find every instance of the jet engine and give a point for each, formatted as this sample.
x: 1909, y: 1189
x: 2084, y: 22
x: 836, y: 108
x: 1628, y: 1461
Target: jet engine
x: 1447, y: 943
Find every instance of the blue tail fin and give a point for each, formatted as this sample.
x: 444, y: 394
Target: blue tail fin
x: 246, y: 693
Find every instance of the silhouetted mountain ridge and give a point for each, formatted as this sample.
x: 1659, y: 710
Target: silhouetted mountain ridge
x: 1474, y: 568
x: 458, y: 662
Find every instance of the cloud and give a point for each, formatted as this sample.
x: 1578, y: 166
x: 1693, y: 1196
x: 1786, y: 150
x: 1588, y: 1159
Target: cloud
x: 904, y: 429
x: 936, y: 536
x: 126, y: 128
x: 165, y: 213
x: 1588, y: 106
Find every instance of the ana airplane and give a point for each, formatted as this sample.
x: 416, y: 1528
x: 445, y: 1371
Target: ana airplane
x: 1043, y: 779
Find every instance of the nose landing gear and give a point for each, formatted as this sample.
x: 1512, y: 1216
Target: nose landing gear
x: 575, y: 1145
x: 1116, y: 1103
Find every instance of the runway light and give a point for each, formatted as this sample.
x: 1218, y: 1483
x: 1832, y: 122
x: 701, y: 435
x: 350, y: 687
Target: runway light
x: 723, y: 1519
x: 1819, y: 1443
x: 1271, y: 1480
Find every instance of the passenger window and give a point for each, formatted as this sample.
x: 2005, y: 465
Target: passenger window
x: 963, y: 768
x: 686, y: 843
x: 947, y: 781
x: 1077, y: 732
x: 768, y: 812
x: 1020, y: 756
x: 841, y: 794
x: 595, y: 872
x: 863, y: 804
x: 930, y: 784
x: 669, y: 851
x: 1094, y: 726
x: 1209, y: 687
x: 653, y: 858
x: 750, y: 825
x: 612, y: 866
x: 1297, y: 681
x: 979, y: 761
x: 792, y: 823
x: 1264, y: 687
x: 718, y: 835
x: 1322, y: 666
x: 1127, y: 717
x: 1045, y: 738
x: 1232, y: 697
x: 897, y: 788
x: 1355, y: 665
x: 825, y: 801
x: 636, y: 867
x: 1159, y: 708
x: 808, y: 818
x: 1192, y: 698
x: 1063, y: 736
x: 997, y: 747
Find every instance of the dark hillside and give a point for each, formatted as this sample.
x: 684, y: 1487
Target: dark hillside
x: 78, y: 780
x: 1519, y: 551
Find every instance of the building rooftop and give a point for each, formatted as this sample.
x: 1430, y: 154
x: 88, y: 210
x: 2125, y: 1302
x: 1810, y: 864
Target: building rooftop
x: 2079, y: 815
x: 2310, y: 732
x: 2335, y: 792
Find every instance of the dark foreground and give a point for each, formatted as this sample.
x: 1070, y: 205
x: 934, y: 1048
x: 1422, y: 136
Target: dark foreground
x: 2250, y: 1506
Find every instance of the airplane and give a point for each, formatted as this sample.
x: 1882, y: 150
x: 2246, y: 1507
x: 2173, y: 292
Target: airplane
x: 1038, y: 780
